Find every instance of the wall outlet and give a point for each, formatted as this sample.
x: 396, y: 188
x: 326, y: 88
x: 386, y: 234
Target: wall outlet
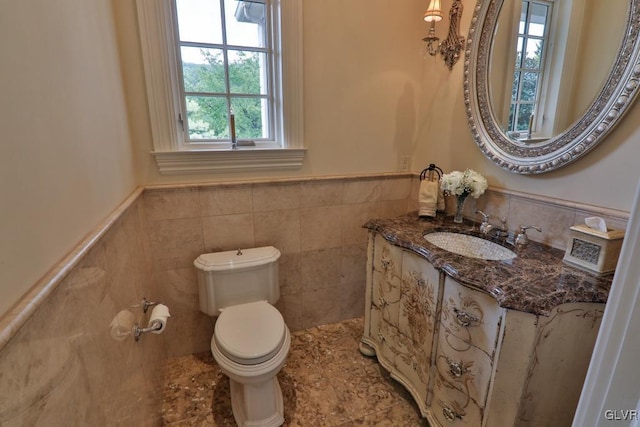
x: 403, y: 163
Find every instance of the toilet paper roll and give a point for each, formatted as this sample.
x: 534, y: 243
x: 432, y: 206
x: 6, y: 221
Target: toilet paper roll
x: 122, y: 325
x: 159, y: 315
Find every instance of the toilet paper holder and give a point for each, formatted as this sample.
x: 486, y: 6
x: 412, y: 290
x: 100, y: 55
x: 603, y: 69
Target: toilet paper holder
x: 125, y: 323
x: 145, y: 304
x: 154, y: 325
x: 156, y: 322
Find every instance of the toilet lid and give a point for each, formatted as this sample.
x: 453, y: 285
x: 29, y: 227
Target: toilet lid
x: 250, y: 333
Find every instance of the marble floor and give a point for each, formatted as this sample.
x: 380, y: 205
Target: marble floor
x: 325, y: 382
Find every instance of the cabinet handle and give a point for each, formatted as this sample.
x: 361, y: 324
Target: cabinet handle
x: 464, y: 318
x: 456, y: 369
x: 450, y: 414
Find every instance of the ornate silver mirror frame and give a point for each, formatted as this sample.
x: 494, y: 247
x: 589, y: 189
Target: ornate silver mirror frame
x: 611, y: 103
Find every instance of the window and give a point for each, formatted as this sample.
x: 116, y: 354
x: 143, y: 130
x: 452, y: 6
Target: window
x: 533, y: 35
x: 218, y: 67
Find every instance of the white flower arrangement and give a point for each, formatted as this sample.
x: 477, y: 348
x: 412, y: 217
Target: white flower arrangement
x: 464, y: 183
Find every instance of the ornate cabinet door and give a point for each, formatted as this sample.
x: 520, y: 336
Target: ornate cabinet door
x: 469, y: 334
x: 417, y: 319
x: 384, y: 288
x: 387, y: 280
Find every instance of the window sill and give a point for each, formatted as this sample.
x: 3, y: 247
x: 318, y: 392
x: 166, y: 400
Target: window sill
x: 242, y: 159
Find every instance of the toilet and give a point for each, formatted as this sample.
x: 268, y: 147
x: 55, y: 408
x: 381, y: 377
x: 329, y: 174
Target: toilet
x: 250, y: 342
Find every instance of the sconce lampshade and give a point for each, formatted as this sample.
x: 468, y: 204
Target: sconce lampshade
x: 434, y: 12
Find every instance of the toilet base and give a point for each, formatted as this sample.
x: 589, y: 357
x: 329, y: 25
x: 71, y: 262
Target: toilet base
x: 257, y: 405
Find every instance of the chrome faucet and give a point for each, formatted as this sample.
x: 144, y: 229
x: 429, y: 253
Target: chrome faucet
x: 489, y: 229
x: 485, y: 227
x: 522, y: 238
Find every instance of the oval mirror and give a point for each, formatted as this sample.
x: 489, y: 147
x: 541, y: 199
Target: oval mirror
x: 546, y: 80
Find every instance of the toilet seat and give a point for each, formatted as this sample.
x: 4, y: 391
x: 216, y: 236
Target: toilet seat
x: 251, y: 333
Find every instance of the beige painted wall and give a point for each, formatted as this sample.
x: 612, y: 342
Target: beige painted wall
x: 605, y: 177
x: 65, y: 155
x: 362, y: 69
x: 67, y: 160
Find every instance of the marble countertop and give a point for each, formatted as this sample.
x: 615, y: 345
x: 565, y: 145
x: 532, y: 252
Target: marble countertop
x: 536, y: 281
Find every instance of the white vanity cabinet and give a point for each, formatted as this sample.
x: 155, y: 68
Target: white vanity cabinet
x: 400, y: 316
x: 469, y: 333
x: 466, y: 360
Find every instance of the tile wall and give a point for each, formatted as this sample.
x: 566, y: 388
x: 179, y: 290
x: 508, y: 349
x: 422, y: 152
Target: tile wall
x: 315, y: 223
x: 58, y: 362
x: 554, y: 216
x: 62, y: 367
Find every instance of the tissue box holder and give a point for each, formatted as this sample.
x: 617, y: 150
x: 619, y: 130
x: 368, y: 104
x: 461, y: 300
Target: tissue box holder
x: 593, y: 250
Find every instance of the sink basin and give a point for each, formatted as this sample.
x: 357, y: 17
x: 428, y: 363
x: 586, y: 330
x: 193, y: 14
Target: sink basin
x: 469, y: 246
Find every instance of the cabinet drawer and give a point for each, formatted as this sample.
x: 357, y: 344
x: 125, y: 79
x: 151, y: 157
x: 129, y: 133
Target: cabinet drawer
x: 470, y: 318
x: 468, y: 371
x: 450, y: 407
x: 387, y: 280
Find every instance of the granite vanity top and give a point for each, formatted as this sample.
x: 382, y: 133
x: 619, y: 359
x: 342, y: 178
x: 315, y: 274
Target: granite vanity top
x: 536, y: 281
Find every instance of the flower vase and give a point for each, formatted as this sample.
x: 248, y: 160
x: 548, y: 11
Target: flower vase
x: 459, y: 206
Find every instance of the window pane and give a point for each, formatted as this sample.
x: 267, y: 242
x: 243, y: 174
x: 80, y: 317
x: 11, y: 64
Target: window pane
x: 524, y: 113
x: 245, y: 22
x: 203, y: 70
x: 199, y: 21
x: 512, y: 110
x: 534, y: 54
x: 247, y: 71
x: 519, y: 48
x: 514, y: 87
x: 523, y: 18
x: 538, y: 19
x: 250, y: 116
x: 529, y: 86
x: 207, y: 117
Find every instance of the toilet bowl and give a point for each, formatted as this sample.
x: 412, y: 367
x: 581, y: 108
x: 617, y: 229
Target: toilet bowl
x: 250, y: 345
x: 250, y: 341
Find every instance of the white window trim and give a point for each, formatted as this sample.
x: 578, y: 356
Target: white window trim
x: 158, y: 55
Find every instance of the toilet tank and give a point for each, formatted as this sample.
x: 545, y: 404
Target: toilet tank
x: 237, y: 277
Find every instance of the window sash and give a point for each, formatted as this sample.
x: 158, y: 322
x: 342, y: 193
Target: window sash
x: 174, y: 157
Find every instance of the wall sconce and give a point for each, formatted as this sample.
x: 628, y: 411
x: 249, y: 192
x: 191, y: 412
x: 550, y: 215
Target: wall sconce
x: 433, y: 15
x: 450, y: 48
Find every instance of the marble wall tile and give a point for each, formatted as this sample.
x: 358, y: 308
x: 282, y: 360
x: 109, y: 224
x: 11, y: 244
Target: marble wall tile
x: 225, y: 200
x: 189, y: 332
x: 276, y: 197
x: 175, y: 243
x: 289, y: 269
x: 353, y: 263
x: 320, y: 269
x: 495, y: 205
x: 171, y: 204
x: 392, y: 208
x: 395, y: 188
x: 65, y: 353
x: 280, y: 229
x: 555, y: 221
x: 321, y: 306
x: 352, y: 300
x: 321, y: 193
x: 227, y: 232
x: 353, y: 217
x: 361, y: 190
x: 178, y: 289
x: 320, y: 227
x: 290, y: 305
